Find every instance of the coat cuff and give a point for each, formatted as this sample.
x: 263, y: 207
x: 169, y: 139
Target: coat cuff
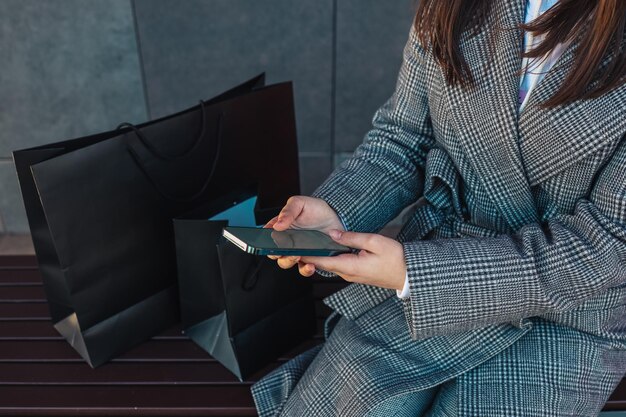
x: 453, y: 286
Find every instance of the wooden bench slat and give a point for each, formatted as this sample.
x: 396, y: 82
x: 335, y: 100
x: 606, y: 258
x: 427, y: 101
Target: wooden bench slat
x: 57, y: 350
x: 10, y: 276
x: 20, y: 292
x: 40, y: 373
x: 15, y: 329
x: 152, y: 350
x: 44, y: 328
x: 25, y: 310
x: 127, y: 396
x: 129, y: 411
x: 120, y: 373
x: 617, y: 400
x: 18, y: 261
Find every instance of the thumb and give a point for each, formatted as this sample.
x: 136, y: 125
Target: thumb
x: 271, y: 223
x: 289, y: 213
x: 354, y: 239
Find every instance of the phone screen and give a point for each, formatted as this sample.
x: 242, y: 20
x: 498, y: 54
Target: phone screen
x: 290, y: 241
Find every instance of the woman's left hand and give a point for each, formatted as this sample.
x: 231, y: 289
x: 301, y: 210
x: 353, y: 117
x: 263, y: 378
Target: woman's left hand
x: 380, y: 261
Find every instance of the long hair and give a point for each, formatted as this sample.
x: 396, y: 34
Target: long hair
x: 598, y: 27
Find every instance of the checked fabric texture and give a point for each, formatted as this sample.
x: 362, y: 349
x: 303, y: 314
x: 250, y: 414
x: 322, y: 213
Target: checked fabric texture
x: 516, y: 258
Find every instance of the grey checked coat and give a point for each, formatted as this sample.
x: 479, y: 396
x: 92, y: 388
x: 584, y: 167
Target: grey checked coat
x: 516, y: 255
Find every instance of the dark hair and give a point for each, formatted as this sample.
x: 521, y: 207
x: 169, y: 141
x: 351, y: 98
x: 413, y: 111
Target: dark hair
x: 597, y: 25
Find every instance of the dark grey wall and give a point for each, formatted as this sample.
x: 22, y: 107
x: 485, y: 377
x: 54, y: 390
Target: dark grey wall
x: 75, y: 67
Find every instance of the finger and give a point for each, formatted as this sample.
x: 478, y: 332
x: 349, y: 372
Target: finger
x: 286, y: 262
x: 345, y: 264
x: 306, y: 269
x: 366, y: 241
x: 289, y: 213
x: 271, y: 223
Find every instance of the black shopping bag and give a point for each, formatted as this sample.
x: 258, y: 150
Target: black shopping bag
x: 242, y: 309
x: 100, y: 208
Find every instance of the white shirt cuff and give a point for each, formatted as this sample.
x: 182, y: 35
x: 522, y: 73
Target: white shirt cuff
x: 405, y: 290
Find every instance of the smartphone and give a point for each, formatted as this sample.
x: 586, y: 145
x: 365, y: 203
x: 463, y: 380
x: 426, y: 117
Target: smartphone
x: 294, y: 242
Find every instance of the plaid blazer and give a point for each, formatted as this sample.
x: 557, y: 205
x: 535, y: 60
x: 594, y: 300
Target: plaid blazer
x: 520, y: 216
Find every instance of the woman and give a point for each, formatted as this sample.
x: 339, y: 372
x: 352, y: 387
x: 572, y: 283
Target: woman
x: 510, y: 276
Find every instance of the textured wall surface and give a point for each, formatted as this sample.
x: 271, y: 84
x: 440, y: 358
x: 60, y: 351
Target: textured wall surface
x: 371, y: 35
x: 74, y: 67
x: 69, y: 68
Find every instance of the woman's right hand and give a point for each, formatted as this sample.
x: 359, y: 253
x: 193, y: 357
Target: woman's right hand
x: 302, y: 212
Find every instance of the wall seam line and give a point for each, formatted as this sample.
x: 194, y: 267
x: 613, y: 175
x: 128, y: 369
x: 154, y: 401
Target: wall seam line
x: 333, y: 86
x: 142, y: 71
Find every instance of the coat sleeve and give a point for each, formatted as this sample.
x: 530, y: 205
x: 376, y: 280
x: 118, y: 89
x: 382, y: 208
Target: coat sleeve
x: 386, y: 172
x: 465, y: 283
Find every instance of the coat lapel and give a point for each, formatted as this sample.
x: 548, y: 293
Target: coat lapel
x: 486, y: 115
x: 553, y: 139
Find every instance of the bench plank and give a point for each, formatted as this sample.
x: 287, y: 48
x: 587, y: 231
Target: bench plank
x: 40, y: 374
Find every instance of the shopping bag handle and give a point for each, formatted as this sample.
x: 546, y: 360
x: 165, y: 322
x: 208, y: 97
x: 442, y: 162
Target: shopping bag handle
x: 251, y: 278
x: 154, y: 151
x: 209, y: 177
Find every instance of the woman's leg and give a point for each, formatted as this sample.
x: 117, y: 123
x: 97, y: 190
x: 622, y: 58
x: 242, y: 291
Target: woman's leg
x: 410, y: 404
x: 363, y: 369
x: 370, y: 365
x: 271, y: 392
x: 551, y: 371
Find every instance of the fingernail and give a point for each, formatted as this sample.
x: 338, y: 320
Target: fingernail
x: 335, y: 234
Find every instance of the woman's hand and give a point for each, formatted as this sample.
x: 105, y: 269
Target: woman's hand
x: 380, y: 261
x: 302, y: 212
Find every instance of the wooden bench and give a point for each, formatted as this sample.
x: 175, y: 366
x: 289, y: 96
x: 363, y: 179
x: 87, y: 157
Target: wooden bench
x: 41, y: 375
